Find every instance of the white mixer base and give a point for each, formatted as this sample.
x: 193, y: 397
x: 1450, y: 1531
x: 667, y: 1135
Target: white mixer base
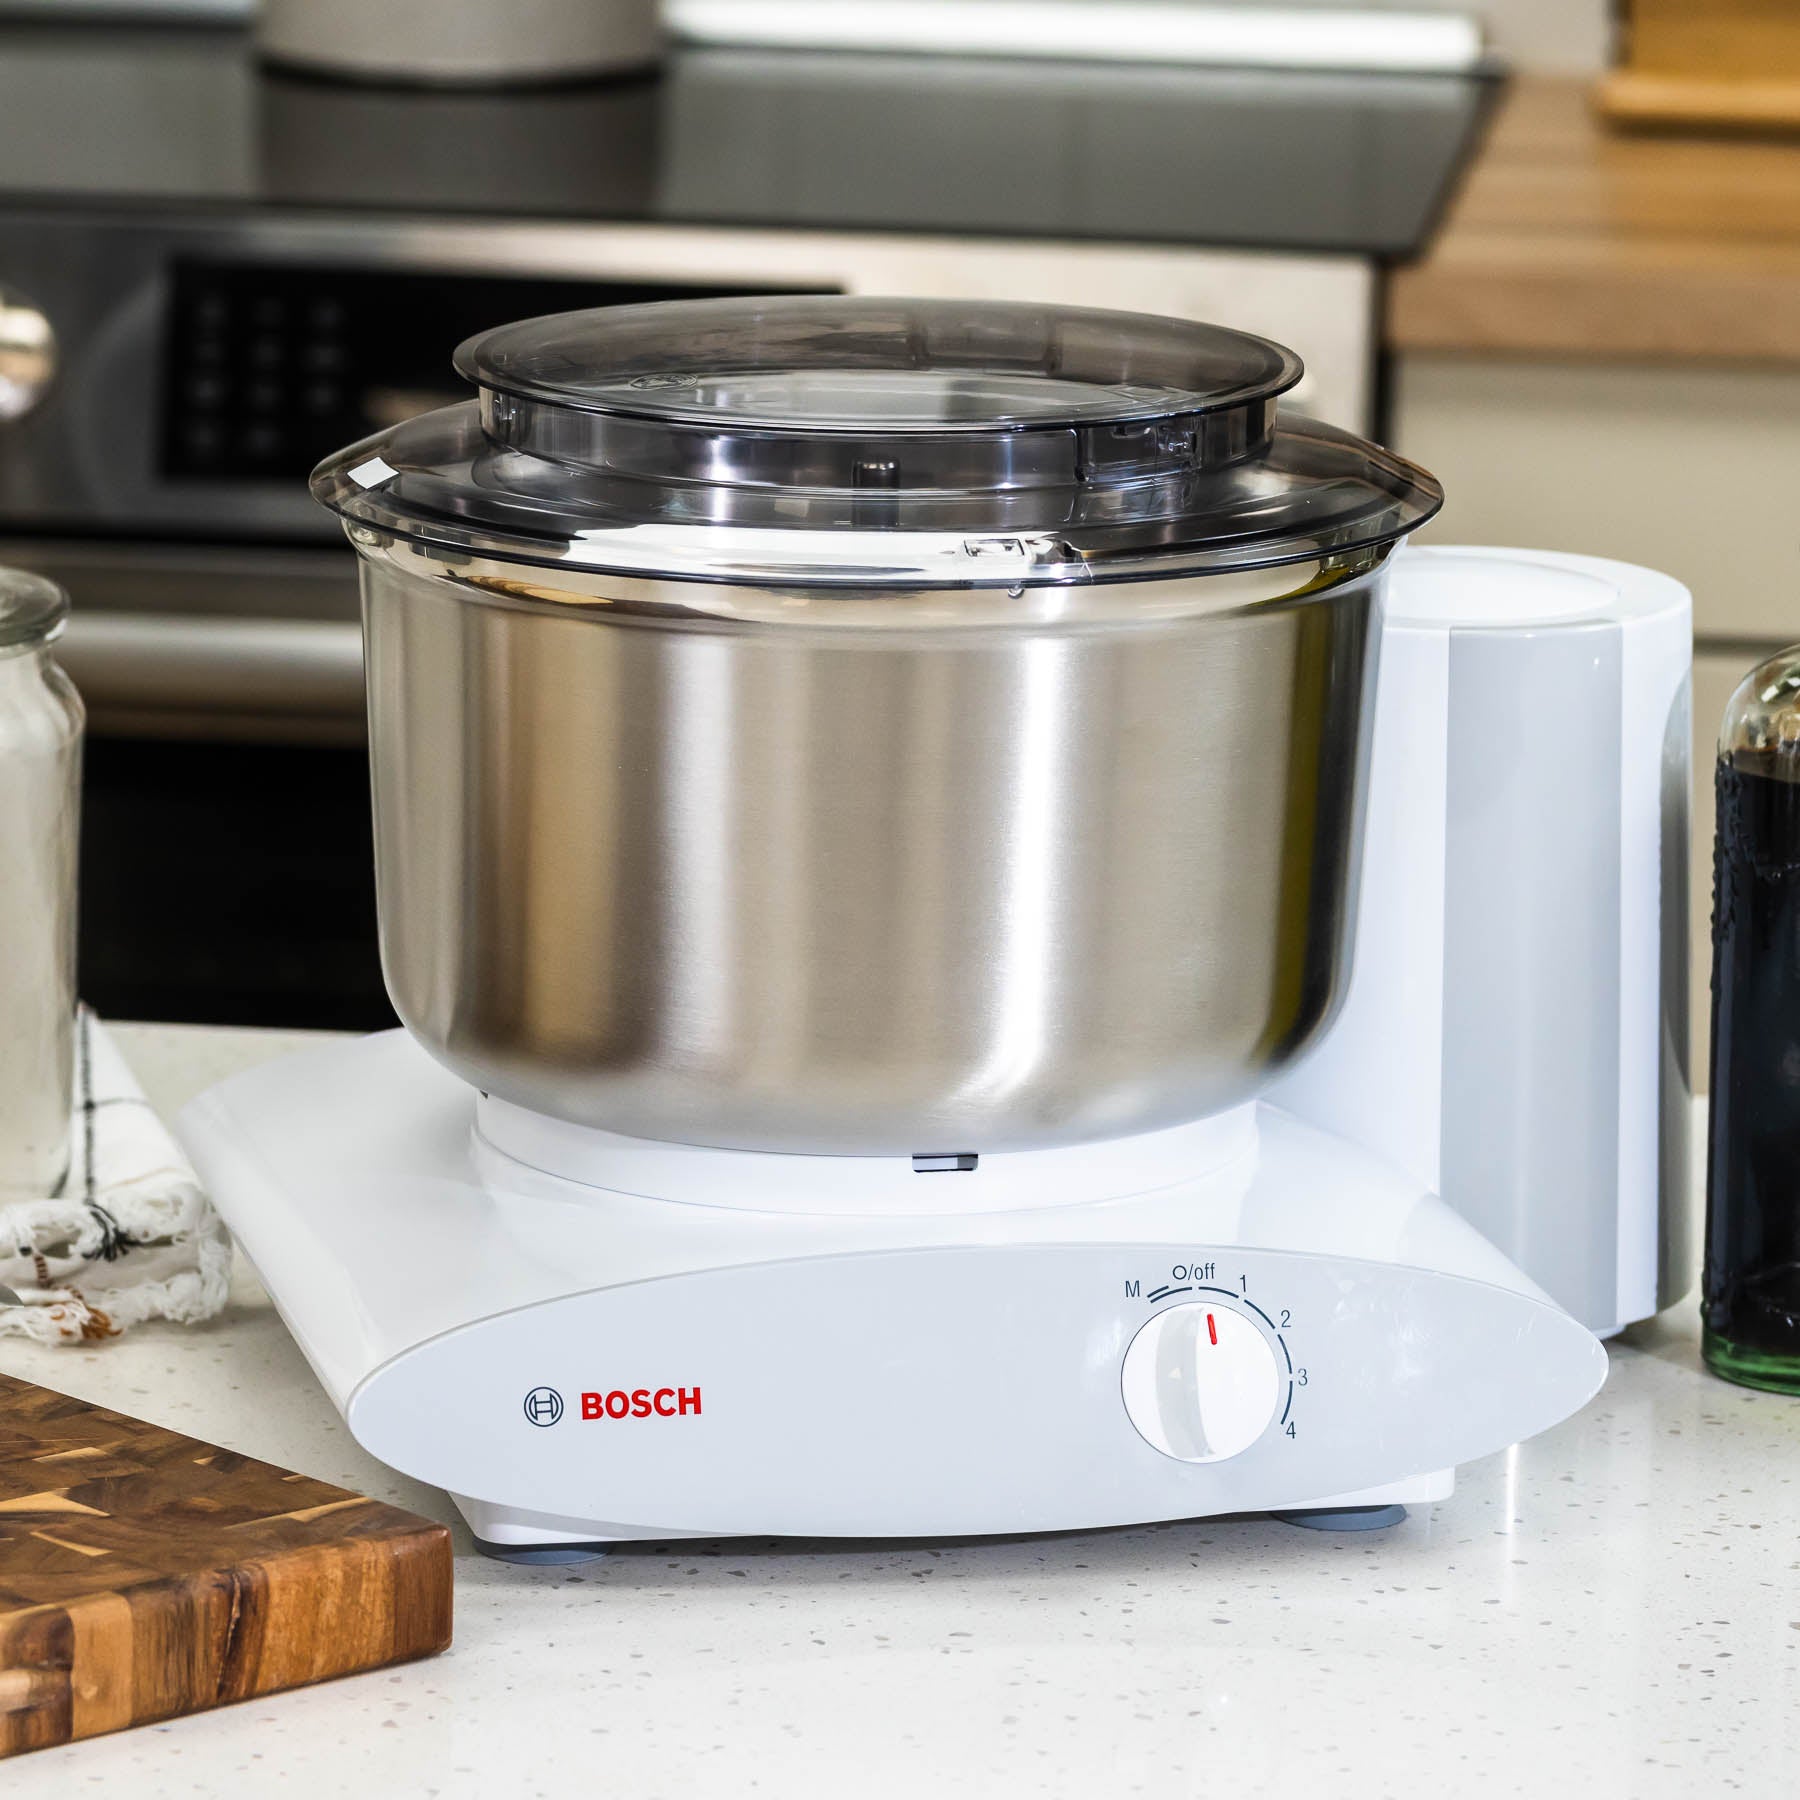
x: 510, y: 1534
x: 1264, y: 1319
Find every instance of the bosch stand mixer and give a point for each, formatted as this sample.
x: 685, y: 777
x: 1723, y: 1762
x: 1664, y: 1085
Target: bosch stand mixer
x: 943, y: 988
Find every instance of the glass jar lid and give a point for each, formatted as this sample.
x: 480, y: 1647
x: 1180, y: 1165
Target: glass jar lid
x: 876, y: 441
x: 32, y: 610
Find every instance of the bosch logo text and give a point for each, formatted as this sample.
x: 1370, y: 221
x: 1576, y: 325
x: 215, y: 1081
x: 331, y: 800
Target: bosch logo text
x: 641, y: 1403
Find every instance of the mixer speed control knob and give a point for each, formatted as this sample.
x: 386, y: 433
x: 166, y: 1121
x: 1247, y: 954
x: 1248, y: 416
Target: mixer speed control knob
x: 1200, y: 1383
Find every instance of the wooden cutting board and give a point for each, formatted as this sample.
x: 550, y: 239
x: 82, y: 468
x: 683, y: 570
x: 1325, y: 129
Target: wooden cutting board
x: 145, y: 1574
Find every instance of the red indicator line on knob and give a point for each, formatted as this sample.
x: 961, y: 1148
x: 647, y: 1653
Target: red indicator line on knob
x: 1212, y: 1331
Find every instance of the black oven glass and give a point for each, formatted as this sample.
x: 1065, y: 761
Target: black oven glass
x: 229, y: 884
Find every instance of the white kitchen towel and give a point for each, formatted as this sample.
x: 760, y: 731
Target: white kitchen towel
x: 128, y: 1236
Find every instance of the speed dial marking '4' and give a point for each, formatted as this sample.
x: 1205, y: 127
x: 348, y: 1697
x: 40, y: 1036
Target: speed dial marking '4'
x: 1200, y: 1382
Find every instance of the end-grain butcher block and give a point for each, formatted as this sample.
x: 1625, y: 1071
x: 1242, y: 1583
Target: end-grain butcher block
x: 145, y: 1574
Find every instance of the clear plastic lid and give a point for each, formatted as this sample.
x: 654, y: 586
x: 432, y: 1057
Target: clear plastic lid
x: 861, y: 441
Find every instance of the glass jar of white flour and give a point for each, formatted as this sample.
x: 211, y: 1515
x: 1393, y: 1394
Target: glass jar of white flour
x: 40, y: 790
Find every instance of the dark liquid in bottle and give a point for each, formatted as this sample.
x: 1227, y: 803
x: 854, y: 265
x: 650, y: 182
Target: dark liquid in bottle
x: 1751, y: 1306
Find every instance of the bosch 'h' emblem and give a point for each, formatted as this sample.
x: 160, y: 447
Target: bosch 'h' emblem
x: 543, y: 1406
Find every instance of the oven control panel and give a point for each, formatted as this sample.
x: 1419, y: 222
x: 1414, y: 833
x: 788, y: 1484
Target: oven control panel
x: 268, y: 365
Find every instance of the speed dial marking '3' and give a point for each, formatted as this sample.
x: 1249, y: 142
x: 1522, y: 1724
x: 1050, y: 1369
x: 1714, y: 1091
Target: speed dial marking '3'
x: 1200, y: 1383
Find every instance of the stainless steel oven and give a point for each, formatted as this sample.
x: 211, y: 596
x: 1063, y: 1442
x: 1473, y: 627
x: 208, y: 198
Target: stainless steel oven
x: 202, y: 367
x: 246, y: 272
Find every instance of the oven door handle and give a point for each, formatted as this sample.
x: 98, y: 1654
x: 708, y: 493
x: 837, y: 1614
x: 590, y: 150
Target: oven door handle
x: 193, y: 675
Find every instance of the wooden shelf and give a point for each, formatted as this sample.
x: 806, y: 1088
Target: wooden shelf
x: 1635, y: 97
x: 1730, y: 65
x: 1574, y: 239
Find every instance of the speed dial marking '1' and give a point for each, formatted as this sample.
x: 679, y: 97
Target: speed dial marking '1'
x: 1200, y: 1382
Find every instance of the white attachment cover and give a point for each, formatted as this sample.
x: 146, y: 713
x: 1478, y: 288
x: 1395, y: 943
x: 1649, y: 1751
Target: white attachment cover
x: 574, y: 1362
x: 1516, y: 1025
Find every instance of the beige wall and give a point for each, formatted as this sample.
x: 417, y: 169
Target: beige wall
x: 1696, y: 471
x: 1566, y: 36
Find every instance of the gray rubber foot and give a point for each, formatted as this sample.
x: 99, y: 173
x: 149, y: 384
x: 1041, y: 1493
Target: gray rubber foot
x: 542, y: 1556
x: 1346, y: 1518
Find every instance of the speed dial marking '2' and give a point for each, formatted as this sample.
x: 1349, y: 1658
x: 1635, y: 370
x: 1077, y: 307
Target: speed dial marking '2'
x: 1200, y: 1383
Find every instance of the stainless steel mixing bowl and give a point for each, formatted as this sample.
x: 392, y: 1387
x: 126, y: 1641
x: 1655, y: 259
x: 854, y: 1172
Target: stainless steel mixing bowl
x: 844, y: 859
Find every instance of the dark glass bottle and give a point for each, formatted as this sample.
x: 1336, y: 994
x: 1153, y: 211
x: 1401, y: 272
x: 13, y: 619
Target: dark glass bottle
x: 1751, y: 1294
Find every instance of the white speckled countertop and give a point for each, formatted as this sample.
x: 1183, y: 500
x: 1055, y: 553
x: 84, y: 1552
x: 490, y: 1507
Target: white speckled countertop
x: 1612, y: 1609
